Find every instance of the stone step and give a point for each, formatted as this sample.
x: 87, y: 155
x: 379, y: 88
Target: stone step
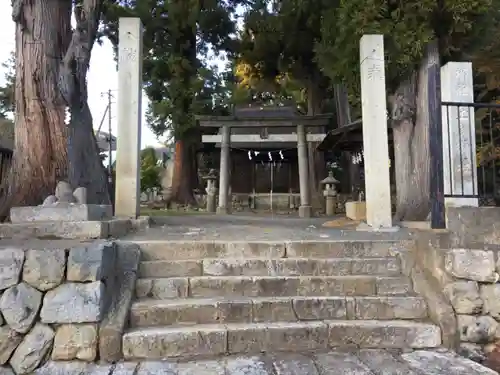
x: 388, y: 266
x: 149, y: 313
x: 337, y: 362
x: 271, y: 286
x: 223, y: 339
x: 173, y: 250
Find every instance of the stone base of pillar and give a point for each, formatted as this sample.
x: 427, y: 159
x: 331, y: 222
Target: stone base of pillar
x: 364, y: 227
x: 305, y: 211
x: 331, y: 205
x: 211, y: 203
x: 223, y: 211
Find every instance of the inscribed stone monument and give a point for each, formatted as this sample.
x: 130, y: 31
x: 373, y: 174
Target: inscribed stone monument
x: 375, y: 139
x: 127, y: 196
x: 459, y: 136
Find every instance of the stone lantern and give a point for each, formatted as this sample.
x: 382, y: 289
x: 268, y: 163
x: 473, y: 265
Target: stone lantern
x: 211, y: 190
x: 330, y: 193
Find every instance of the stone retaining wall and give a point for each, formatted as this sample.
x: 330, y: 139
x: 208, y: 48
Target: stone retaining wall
x: 458, y: 273
x: 55, y: 302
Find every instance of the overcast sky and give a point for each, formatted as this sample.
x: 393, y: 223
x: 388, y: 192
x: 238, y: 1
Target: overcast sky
x: 102, y: 75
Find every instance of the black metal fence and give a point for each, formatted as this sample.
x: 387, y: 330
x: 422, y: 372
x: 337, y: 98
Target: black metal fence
x: 471, y: 152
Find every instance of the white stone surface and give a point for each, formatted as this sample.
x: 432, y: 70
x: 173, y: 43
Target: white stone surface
x: 127, y: 196
x: 375, y: 141
x: 459, y: 137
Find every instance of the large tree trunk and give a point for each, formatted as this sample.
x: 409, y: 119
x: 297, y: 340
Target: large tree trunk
x: 410, y: 120
x: 85, y: 166
x: 40, y: 157
x: 317, y: 166
x: 183, y: 26
x: 184, y: 179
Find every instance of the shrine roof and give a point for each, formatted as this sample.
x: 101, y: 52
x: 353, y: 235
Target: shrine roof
x: 347, y: 138
x: 265, y: 117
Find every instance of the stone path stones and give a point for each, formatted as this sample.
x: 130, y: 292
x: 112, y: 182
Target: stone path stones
x: 364, y: 362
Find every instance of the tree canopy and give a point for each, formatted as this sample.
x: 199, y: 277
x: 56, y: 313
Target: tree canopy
x: 150, y: 170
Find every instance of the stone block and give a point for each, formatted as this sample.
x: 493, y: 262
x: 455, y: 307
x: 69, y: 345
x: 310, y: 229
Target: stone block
x: 320, y: 308
x: 155, y: 368
x: 167, y: 268
x: 490, y: 294
x: 94, y: 262
x: 277, y: 337
x: 201, y: 368
x: 294, y: 364
x: 56, y: 229
x: 342, y: 249
x: 162, y: 343
x: 61, y: 211
x: 272, y: 309
x: 20, y: 305
x: 33, y: 349
x: 464, y: 296
x: 386, y: 308
x: 391, y: 286
x: 44, y: 269
x: 78, y: 368
x: 74, y: 303
x: 380, y: 334
x: 477, y: 265
x: 75, y: 342
x: 249, y: 365
x: 476, y: 329
x: 9, y: 340
x: 129, y: 256
x: 174, y: 250
x: 6, y: 371
x: 113, y: 325
x: 344, y: 363
x: 337, y: 286
x: 237, y: 267
x: 175, y: 287
x: 11, y: 265
x: 434, y: 363
x: 473, y: 227
x: 355, y: 210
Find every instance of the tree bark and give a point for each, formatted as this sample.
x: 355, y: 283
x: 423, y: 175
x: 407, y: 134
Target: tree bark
x: 317, y: 167
x: 184, y: 179
x: 40, y: 157
x: 410, y: 121
x: 85, y: 166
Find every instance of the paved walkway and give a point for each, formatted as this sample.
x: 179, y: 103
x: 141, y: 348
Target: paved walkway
x: 250, y: 227
x: 364, y: 362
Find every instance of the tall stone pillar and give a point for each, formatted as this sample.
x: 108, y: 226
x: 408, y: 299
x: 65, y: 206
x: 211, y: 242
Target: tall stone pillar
x: 459, y: 136
x: 225, y: 151
x: 127, y: 193
x: 375, y: 140
x: 305, y: 209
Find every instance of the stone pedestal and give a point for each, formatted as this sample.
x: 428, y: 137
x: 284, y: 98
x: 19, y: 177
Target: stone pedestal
x: 211, y: 191
x: 330, y: 193
x: 61, y: 212
x: 375, y: 140
x: 225, y: 151
x: 331, y: 205
x: 459, y: 136
x: 305, y: 209
x: 127, y: 195
x: 355, y: 210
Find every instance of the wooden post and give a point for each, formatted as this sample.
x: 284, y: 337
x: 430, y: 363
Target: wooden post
x: 436, y: 142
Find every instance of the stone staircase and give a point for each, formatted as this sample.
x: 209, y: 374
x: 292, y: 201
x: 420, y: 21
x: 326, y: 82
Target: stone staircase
x: 206, y: 299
